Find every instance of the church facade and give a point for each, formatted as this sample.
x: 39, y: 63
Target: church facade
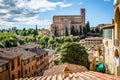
x: 65, y: 25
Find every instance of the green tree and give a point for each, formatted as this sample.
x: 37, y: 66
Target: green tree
x: 9, y: 39
x: 88, y: 27
x: 2, y: 45
x: 74, y: 53
x: 92, y: 31
x: 80, y: 32
x: 101, y: 31
x: 36, y: 31
x: 97, y: 30
x: 84, y: 31
x: 66, y: 31
x: 76, y: 33
x: 55, y: 31
x: 73, y: 31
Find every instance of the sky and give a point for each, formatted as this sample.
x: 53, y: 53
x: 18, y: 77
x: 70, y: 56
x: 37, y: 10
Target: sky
x: 28, y: 13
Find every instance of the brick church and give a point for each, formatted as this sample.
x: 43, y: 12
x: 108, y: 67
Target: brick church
x: 65, y: 25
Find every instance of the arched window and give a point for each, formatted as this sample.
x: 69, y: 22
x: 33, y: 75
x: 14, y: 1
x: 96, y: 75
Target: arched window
x: 116, y: 57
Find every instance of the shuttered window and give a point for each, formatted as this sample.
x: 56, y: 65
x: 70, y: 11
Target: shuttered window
x: 107, y: 34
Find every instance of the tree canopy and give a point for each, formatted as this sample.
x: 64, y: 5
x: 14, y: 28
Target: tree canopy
x: 74, y: 53
x: 73, y: 31
x: 87, y: 27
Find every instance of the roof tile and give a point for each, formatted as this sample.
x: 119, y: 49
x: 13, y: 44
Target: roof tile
x: 90, y: 75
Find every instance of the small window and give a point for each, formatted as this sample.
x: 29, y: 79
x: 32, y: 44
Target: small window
x: 18, y: 61
x: 25, y: 72
x: 13, y: 77
x: 37, y: 59
x: 1, y: 69
x: 12, y: 65
x: 18, y: 74
x: 29, y: 69
x: 32, y: 67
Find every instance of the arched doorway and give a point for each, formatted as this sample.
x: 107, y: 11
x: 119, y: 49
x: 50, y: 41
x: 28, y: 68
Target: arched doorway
x: 117, y: 22
x: 116, y: 57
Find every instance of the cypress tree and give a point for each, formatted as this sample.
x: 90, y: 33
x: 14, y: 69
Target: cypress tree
x: 73, y: 31
x: 66, y: 31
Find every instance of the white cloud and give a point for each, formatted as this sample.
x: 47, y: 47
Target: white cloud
x: 4, y: 11
x: 80, y: 3
x: 26, y: 12
x: 107, y: 0
x: 41, y: 5
x: 65, y: 5
x: 115, y: 1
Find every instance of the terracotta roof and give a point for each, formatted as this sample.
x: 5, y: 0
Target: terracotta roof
x: 41, y: 52
x: 26, y: 54
x: 9, y: 53
x: 90, y: 75
x: 3, y: 61
x: 28, y: 46
x: 60, y: 69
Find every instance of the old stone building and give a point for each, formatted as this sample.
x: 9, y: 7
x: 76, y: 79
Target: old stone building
x: 14, y: 65
x: 108, y: 42
x: 4, y: 71
x: 111, y: 42
x: 28, y: 63
x: 117, y: 36
x: 41, y: 57
x: 64, y: 25
x: 92, y: 41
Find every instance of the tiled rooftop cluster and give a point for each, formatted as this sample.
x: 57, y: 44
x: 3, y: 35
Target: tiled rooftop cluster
x: 90, y: 75
x: 60, y: 69
x: 22, y: 61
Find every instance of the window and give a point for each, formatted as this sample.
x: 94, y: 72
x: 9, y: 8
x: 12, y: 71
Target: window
x: 29, y: 69
x: 12, y: 64
x: 1, y: 69
x: 32, y: 67
x: 18, y: 74
x: 18, y: 61
x: 13, y: 77
x: 117, y: 61
x: 25, y: 72
x: 37, y: 59
x: 107, y: 33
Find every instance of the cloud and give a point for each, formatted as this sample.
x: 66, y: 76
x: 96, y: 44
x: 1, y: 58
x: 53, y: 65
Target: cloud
x: 107, y: 0
x: 65, y: 5
x: 26, y: 12
x: 115, y: 1
x: 80, y: 3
